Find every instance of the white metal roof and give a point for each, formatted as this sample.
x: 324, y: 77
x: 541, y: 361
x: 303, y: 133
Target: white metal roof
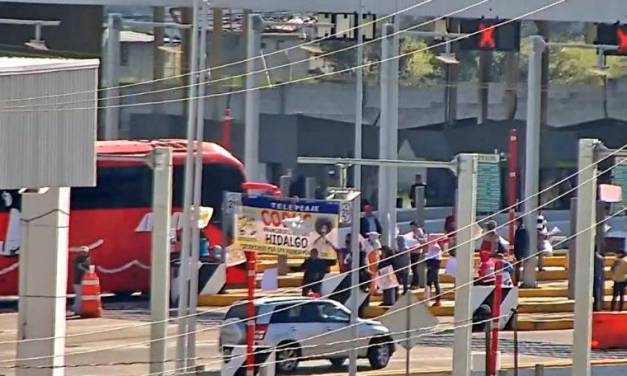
x: 26, y: 65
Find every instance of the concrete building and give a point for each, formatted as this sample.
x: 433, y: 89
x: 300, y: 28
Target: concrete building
x: 137, y: 57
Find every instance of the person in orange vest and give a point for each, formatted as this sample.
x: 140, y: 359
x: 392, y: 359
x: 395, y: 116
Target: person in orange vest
x: 80, y: 266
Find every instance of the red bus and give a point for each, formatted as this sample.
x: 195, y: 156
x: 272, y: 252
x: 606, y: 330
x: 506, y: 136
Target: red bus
x: 114, y: 218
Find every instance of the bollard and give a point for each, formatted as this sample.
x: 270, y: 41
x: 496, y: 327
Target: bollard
x: 539, y: 370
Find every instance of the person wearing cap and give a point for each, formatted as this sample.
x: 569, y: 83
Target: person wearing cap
x: 80, y: 266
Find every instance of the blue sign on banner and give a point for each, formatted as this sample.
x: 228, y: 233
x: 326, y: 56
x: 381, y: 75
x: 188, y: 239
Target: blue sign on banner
x: 304, y: 206
x: 488, y: 184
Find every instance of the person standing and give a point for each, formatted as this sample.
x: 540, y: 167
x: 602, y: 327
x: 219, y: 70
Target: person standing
x: 314, y: 269
x: 506, y: 269
x: 80, y: 266
x: 485, y: 269
x: 433, y: 259
x: 619, y: 276
x: 521, y: 246
x: 544, y: 246
x: 402, y: 263
x: 412, y: 190
x: 449, y: 228
x: 386, y: 276
x: 369, y: 223
x: 414, y: 241
x: 451, y: 264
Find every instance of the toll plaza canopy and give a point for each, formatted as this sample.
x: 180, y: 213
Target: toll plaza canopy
x: 609, y: 11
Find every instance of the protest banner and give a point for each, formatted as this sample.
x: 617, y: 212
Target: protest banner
x: 287, y: 227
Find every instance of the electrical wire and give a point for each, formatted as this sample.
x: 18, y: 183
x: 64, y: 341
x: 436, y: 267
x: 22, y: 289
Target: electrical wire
x: 266, y: 70
x: 392, y: 311
x: 281, y: 51
x: 334, y: 293
x: 608, y: 155
x: 472, y: 282
x: 304, y: 79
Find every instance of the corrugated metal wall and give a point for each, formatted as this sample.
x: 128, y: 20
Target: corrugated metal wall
x: 49, y: 141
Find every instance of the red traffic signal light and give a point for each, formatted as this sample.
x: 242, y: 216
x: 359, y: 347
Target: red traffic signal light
x: 490, y: 34
x: 487, y: 41
x: 621, y: 40
x: 613, y: 35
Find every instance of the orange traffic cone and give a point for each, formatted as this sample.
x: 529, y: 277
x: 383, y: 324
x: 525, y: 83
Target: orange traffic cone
x: 90, y: 295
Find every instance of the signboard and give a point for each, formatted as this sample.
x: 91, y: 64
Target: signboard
x: 489, y: 184
x: 619, y: 176
x: 287, y: 227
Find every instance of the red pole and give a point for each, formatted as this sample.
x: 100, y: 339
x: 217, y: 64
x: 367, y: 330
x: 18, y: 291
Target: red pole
x: 498, y: 265
x: 512, y: 181
x: 251, y: 268
x: 496, y: 312
x: 251, y: 261
x: 226, y: 129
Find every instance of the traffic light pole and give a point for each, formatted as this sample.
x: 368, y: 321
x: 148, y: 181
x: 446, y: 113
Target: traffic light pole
x: 184, y: 269
x: 467, y: 165
x: 160, y: 258
x: 197, y: 189
x: 532, y: 154
x: 388, y: 133
x: 584, y: 248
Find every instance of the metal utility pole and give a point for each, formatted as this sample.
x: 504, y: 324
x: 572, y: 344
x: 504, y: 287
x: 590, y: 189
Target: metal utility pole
x: 485, y: 63
x: 532, y: 153
x: 216, y: 58
x: 359, y: 95
x: 158, y: 65
x: 184, y: 271
x: 112, y: 111
x: 511, y: 82
x: 160, y: 257
x: 197, y: 191
x: 584, y: 248
x: 466, y: 208
x: 356, y: 207
x: 451, y: 77
x: 388, y: 133
x: 251, y: 116
x: 42, y: 299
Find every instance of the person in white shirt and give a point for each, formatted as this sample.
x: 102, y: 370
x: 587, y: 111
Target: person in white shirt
x: 451, y: 264
x: 433, y: 259
x: 414, y: 241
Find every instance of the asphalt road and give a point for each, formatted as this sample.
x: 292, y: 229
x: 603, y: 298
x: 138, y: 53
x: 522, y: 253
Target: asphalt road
x: 118, y: 344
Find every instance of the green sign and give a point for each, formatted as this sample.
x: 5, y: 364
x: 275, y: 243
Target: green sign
x: 619, y: 174
x: 489, y: 184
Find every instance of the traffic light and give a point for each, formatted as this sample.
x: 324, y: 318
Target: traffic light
x: 490, y: 35
x: 613, y: 35
x: 486, y: 37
